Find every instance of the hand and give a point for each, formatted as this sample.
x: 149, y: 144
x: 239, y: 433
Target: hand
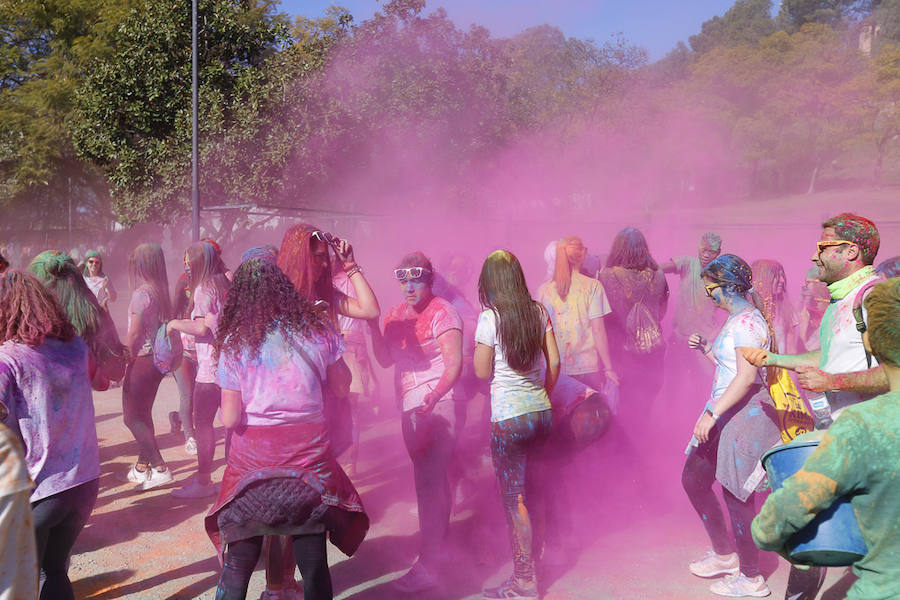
x: 698, y: 342
x: 703, y: 427
x: 344, y: 253
x: 758, y: 357
x: 612, y: 376
x: 430, y: 400
x: 814, y: 380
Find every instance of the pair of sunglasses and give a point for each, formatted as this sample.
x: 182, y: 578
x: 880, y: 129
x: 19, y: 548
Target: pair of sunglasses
x: 709, y: 287
x: 327, y: 238
x: 821, y: 245
x: 410, y: 273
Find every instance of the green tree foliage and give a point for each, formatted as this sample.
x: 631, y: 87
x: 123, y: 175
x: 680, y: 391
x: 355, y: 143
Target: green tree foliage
x: 793, y: 14
x: 134, y: 106
x: 747, y: 22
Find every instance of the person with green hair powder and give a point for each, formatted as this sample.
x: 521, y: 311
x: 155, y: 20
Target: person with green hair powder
x: 97, y: 280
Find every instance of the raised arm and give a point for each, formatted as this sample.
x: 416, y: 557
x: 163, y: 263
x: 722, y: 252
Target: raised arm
x: 365, y: 305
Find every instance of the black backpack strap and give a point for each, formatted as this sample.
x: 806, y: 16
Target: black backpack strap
x: 858, y: 315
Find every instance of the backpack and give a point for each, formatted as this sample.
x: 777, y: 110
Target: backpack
x: 858, y: 314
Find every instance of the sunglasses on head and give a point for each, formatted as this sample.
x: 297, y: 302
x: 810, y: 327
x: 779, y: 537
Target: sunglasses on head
x: 821, y: 245
x: 410, y: 273
x: 326, y: 238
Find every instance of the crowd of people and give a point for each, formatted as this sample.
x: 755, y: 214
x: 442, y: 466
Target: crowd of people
x: 278, y: 349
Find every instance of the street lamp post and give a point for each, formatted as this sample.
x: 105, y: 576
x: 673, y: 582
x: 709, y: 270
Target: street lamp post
x: 195, y: 158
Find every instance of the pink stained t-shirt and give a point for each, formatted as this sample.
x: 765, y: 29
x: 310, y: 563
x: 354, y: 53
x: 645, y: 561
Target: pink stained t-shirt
x: 412, y: 339
x: 206, y: 306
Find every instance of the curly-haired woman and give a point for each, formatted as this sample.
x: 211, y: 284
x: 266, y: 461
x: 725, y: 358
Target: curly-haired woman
x: 45, y: 395
x: 277, y: 354
x: 149, y: 308
x: 208, y: 289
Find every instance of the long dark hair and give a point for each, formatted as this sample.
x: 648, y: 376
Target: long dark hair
x: 206, y: 271
x: 502, y: 288
x: 147, y: 268
x: 29, y: 312
x: 261, y: 299
x: 630, y: 251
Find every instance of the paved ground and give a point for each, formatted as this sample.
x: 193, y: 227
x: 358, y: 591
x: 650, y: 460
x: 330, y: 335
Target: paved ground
x: 632, y: 539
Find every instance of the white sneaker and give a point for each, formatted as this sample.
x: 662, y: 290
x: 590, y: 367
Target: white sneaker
x: 190, y: 446
x: 713, y: 565
x: 135, y: 476
x: 740, y: 586
x: 156, y: 478
x: 417, y: 579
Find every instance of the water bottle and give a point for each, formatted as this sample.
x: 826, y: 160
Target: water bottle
x: 821, y: 410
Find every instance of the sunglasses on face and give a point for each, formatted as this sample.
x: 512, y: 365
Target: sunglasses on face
x: 709, y: 287
x: 821, y: 245
x: 93, y: 261
x: 410, y: 273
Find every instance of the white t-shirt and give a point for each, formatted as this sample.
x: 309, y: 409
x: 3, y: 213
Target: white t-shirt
x: 571, y: 319
x: 512, y: 393
x: 747, y: 328
x: 842, y: 350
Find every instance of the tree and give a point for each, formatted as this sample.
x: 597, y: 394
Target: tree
x: 793, y: 14
x: 746, y: 22
x: 133, y: 108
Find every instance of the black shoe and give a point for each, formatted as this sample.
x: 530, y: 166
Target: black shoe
x: 510, y: 589
x: 174, y: 422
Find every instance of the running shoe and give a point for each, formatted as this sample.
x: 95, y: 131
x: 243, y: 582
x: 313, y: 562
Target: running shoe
x: 741, y: 586
x: 417, y: 579
x: 135, y: 476
x: 510, y: 589
x: 156, y: 478
x: 190, y: 446
x: 194, y: 489
x: 713, y: 565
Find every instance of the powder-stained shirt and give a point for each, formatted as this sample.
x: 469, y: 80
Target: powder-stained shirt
x: 858, y: 458
x: 747, y: 328
x: 841, y: 345
x: 512, y: 393
x: 96, y: 285
x: 412, y: 340
x: 694, y: 311
x: 571, y: 320
x: 47, y: 392
x: 207, y: 306
x: 277, y: 385
x: 144, y: 303
x: 18, y: 556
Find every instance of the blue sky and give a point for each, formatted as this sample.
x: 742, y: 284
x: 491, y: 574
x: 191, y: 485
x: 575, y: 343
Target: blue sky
x: 657, y: 25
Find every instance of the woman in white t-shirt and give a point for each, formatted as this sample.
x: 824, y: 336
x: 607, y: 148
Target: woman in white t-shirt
x: 511, y: 335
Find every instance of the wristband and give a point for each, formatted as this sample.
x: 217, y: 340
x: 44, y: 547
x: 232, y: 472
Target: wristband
x: 353, y: 271
x: 714, y: 416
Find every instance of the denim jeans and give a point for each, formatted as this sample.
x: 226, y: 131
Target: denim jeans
x: 431, y: 443
x: 517, y: 445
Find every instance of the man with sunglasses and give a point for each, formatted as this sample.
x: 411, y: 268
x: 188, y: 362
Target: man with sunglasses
x: 841, y: 367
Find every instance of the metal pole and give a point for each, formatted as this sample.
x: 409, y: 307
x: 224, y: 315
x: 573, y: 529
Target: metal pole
x: 195, y: 192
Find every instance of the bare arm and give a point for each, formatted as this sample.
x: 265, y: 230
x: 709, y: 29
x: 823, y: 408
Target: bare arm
x: 133, y: 337
x: 736, y: 390
x: 873, y: 381
x: 551, y: 356
x: 195, y: 327
x: 760, y: 357
x: 338, y: 377
x: 111, y: 290
x: 483, y: 361
x: 379, y: 347
x: 701, y: 344
x: 669, y: 267
x: 451, y: 354
x: 231, y: 408
x: 365, y: 305
x: 598, y: 330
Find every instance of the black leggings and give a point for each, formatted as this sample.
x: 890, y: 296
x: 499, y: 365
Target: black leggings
x: 697, y: 478
x: 312, y: 560
x: 142, y: 379
x: 207, y: 397
x: 58, y: 519
x: 184, y: 379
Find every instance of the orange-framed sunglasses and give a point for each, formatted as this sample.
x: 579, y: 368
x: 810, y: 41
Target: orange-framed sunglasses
x: 822, y: 244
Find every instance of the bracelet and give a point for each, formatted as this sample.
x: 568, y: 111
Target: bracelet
x: 714, y: 416
x: 354, y: 270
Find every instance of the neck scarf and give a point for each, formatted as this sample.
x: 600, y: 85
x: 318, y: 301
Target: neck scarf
x: 840, y: 289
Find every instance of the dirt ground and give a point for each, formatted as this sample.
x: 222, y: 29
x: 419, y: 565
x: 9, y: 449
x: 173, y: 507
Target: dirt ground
x: 631, y: 541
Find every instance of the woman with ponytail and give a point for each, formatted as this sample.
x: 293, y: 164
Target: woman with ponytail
x: 577, y: 304
x: 770, y: 282
x: 513, y: 333
x: 732, y: 432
